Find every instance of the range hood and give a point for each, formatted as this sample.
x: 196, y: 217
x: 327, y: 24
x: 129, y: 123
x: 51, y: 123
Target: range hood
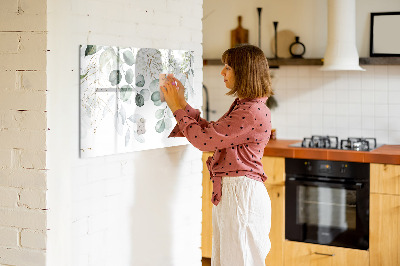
x: 341, y: 51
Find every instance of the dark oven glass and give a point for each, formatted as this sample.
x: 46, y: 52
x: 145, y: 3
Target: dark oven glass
x: 328, y: 207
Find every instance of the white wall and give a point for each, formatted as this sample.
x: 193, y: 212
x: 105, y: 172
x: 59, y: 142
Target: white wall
x: 23, y: 133
x: 311, y: 102
x: 141, y: 208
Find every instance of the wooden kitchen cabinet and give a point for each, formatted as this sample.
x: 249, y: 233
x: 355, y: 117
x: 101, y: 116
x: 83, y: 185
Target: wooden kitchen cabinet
x: 206, y: 225
x: 384, y: 236
x: 277, y: 233
x: 274, y: 168
x: 385, y: 178
x: 305, y: 254
x: 385, y: 215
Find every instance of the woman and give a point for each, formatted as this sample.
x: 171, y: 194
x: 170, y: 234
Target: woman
x: 242, y: 208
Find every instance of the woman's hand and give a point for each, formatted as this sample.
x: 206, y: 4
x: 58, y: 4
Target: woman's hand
x: 172, y: 95
x: 181, y: 91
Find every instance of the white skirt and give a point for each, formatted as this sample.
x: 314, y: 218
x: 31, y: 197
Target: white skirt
x: 241, y: 223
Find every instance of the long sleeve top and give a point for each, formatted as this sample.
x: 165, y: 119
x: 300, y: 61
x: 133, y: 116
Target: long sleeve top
x: 238, y: 139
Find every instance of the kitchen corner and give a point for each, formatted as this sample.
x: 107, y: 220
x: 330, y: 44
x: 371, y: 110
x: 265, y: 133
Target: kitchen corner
x: 381, y: 193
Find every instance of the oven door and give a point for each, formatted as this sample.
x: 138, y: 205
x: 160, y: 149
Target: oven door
x: 327, y: 213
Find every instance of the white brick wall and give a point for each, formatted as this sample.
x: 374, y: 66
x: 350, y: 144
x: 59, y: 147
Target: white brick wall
x: 141, y: 208
x: 23, y: 128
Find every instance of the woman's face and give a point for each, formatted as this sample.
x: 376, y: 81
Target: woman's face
x: 229, y: 76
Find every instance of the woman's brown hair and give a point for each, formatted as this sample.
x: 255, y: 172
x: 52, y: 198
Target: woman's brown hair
x: 250, y: 66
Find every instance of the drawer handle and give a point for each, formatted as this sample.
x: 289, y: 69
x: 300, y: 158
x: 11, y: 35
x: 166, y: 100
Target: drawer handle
x: 324, y: 254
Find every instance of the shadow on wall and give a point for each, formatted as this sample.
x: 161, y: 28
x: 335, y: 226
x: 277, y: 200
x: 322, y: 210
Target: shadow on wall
x: 155, y: 201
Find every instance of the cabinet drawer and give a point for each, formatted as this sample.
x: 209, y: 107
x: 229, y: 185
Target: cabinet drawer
x: 297, y: 254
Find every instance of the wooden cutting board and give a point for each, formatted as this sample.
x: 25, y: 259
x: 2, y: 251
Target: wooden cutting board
x: 239, y: 35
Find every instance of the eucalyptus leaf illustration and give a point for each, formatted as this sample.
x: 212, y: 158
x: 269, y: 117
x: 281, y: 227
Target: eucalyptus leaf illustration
x: 110, y: 104
x: 160, y: 126
x: 107, y: 59
x: 138, y: 137
x: 140, y: 81
x: 160, y: 113
x: 118, y: 124
x: 129, y: 58
x: 115, y: 77
x: 146, y: 94
x: 83, y: 76
x: 168, y: 123
x: 139, y: 99
x: 122, y: 113
x: 125, y: 92
x: 154, y: 85
x: 127, y: 137
x: 132, y: 118
x: 155, y: 96
x: 169, y: 113
x: 90, y: 49
x: 129, y: 76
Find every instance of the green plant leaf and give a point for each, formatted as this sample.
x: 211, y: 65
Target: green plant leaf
x: 140, y: 81
x: 146, y: 94
x: 125, y: 92
x: 139, y: 99
x: 115, y: 77
x: 160, y: 113
x: 90, y: 49
x: 129, y: 76
x: 129, y: 58
x: 127, y: 137
x: 154, y: 85
x: 168, y: 123
x: 160, y: 126
x: 155, y: 96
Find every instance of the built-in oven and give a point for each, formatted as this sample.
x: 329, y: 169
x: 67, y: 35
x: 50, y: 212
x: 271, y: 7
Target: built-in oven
x: 327, y: 202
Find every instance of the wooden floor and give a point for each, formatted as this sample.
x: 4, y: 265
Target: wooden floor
x: 206, y: 261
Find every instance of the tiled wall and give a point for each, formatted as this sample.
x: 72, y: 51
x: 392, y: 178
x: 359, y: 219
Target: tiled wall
x: 313, y: 102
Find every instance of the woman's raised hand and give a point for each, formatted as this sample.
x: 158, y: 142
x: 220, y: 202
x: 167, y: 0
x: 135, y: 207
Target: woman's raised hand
x: 173, y: 96
x: 181, y: 91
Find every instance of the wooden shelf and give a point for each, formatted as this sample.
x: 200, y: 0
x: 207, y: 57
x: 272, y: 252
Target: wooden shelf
x: 380, y: 61
x: 273, y: 63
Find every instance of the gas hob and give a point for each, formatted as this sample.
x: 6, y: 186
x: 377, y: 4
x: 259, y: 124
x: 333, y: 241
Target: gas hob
x: 332, y: 142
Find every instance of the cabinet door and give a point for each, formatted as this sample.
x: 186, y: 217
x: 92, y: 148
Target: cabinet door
x: 274, y: 168
x: 277, y: 233
x: 304, y: 254
x: 384, y: 230
x: 206, y: 226
x: 385, y: 178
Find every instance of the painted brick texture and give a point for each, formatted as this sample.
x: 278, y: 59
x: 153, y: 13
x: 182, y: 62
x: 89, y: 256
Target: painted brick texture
x: 23, y: 125
x: 140, y: 208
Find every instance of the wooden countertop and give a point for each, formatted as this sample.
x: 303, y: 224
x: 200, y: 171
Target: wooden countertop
x: 389, y: 154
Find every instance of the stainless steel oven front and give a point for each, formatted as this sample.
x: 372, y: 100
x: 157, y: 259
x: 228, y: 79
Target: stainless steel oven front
x: 327, y: 202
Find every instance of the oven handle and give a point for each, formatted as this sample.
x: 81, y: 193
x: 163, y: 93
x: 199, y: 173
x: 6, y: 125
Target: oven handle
x: 357, y: 185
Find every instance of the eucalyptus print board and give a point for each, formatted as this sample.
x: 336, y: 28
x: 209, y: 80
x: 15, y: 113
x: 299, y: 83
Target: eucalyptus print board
x: 121, y: 109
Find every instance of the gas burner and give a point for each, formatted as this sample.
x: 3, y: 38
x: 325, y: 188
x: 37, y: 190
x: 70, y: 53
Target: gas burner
x: 332, y: 142
x: 327, y: 142
x: 358, y: 144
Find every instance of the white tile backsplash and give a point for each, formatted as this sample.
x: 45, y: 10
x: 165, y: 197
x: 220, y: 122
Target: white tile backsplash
x: 343, y: 103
